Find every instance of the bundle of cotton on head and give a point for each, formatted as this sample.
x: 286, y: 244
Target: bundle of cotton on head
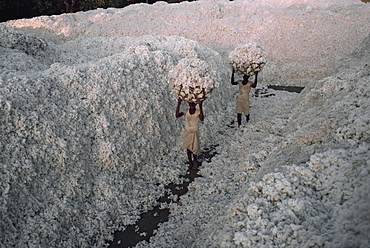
x: 247, y: 59
x: 192, y: 80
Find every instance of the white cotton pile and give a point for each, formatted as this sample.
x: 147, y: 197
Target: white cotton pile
x: 291, y: 39
x: 247, y: 58
x: 88, y: 120
x: 192, y: 80
x: 88, y: 142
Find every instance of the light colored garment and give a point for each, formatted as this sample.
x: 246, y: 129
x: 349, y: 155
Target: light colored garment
x: 242, y: 100
x: 191, y: 136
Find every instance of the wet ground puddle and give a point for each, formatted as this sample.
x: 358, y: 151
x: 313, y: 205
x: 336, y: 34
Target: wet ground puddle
x: 149, y: 220
x: 265, y: 92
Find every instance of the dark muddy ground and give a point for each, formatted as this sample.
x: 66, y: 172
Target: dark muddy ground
x: 149, y: 220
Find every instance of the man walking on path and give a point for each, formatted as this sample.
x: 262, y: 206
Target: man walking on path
x: 242, y: 100
x: 191, y: 135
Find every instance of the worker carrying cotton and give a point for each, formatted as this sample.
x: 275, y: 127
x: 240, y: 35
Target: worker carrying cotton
x: 193, y: 80
x: 247, y: 59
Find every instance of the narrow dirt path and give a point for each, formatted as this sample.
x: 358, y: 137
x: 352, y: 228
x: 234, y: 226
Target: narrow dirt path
x: 149, y: 221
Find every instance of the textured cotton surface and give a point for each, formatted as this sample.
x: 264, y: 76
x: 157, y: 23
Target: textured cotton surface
x: 247, y: 59
x: 193, y: 80
x: 89, y: 138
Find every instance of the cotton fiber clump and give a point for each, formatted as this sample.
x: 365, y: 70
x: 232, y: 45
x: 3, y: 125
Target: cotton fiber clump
x: 192, y: 80
x: 247, y: 59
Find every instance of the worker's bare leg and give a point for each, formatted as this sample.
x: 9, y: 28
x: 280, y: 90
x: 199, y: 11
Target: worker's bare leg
x: 239, y: 119
x: 195, y: 162
x: 190, y: 158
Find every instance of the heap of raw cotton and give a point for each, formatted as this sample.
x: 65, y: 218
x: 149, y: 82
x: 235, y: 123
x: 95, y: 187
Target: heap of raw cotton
x: 247, y: 58
x: 192, y: 80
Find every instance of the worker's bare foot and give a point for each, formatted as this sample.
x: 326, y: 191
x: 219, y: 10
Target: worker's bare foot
x: 195, y: 165
x: 190, y: 165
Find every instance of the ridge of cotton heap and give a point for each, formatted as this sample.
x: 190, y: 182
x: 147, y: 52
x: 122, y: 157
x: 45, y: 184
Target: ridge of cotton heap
x: 192, y: 80
x: 247, y: 58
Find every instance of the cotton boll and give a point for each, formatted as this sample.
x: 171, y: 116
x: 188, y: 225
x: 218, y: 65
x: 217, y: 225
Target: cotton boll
x: 247, y: 58
x: 240, y: 239
x: 186, y: 51
x: 141, y: 47
x: 253, y: 210
x: 275, y: 187
x: 190, y: 78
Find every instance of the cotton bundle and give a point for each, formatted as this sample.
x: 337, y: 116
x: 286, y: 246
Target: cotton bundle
x: 192, y: 80
x: 247, y: 59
